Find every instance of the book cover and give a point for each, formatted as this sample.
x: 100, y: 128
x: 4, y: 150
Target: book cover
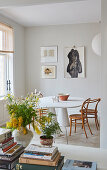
x: 79, y: 165
x: 39, y: 161
x: 39, y: 156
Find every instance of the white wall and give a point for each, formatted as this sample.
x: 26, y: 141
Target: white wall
x: 19, y: 65
x: 103, y: 134
x: 63, y: 36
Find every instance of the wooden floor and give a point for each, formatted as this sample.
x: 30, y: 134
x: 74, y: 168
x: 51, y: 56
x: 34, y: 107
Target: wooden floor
x: 77, y: 138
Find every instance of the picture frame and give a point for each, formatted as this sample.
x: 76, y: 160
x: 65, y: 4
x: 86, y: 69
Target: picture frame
x: 49, y: 54
x: 74, y: 62
x: 48, y: 71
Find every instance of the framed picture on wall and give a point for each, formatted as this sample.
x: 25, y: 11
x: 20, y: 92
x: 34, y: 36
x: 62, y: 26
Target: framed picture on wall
x: 48, y: 72
x: 49, y: 54
x: 74, y: 64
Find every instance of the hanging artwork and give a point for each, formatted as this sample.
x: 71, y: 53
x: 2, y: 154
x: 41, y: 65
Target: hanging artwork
x: 48, y: 72
x: 49, y: 54
x: 74, y: 62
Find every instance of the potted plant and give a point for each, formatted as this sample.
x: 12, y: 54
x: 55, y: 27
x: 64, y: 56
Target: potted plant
x: 48, y: 126
x: 22, y: 112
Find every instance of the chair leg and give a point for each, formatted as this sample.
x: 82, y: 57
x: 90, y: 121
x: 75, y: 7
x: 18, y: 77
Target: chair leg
x: 84, y: 128
x: 96, y: 122
x: 89, y: 127
x: 70, y: 126
x: 75, y: 125
x: 66, y: 134
x: 82, y: 125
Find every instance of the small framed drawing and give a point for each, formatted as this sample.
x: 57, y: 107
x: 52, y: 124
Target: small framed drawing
x: 48, y: 72
x: 49, y: 54
x: 74, y: 62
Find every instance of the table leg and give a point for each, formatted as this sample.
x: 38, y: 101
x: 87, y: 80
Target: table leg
x: 62, y: 117
x: 52, y: 109
x: 63, y: 120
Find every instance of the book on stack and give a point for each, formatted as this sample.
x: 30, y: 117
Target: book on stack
x: 5, y: 134
x: 7, y: 145
x: 40, y: 155
x: 8, y: 164
x: 10, y: 151
x: 25, y: 166
x: 79, y: 165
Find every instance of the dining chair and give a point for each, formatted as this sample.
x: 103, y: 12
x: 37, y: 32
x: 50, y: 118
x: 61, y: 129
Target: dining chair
x: 81, y: 118
x: 42, y: 111
x: 92, y: 111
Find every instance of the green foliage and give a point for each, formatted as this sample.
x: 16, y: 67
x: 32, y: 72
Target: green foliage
x: 49, y: 125
x: 24, y: 108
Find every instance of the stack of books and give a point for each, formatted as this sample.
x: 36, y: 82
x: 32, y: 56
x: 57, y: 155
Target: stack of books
x: 40, y: 155
x: 9, y: 150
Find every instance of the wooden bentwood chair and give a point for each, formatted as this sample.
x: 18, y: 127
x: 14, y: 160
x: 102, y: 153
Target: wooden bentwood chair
x: 93, y: 112
x: 82, y: 118
x: 42, y: 111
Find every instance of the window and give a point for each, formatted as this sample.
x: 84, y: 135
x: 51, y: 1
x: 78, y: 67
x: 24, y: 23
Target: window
x: 6, y: 59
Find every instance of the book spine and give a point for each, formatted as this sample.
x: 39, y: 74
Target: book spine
x: 39, y: 161
x: 7, y: 158
x: 9, y: 147
x: 8, y: 144
x: 39, y: 153
x: 43, y: 153
x: 8, y: 165
x: 42, y: 150
x: 13, y: 164
x: 36, y: 156
x: 36, y: 162
x: 4, y: 166
x: 7, y: 140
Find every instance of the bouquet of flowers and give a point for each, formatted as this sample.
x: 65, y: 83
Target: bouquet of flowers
x: 22, y: 111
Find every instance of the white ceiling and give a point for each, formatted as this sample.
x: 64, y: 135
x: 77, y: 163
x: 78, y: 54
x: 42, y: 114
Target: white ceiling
x: 85, y: 11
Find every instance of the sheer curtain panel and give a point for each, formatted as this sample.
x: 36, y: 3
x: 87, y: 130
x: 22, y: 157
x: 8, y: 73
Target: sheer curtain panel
x: 6, y: 39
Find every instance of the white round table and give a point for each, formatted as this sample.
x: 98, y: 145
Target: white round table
x: 62, y: 114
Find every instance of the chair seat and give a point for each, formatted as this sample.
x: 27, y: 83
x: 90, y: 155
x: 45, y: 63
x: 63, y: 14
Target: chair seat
x: 89, y: 111
x: 76, y: 116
